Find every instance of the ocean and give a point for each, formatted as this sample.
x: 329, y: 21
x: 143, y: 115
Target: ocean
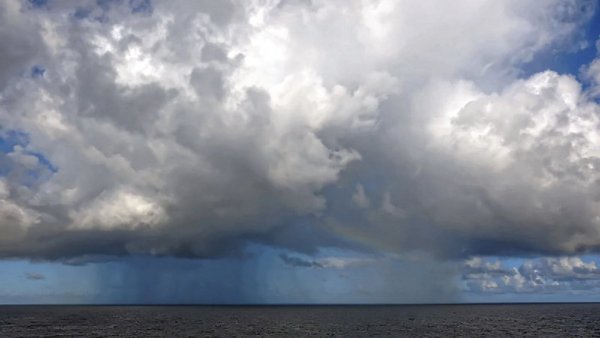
x: 476, y: 320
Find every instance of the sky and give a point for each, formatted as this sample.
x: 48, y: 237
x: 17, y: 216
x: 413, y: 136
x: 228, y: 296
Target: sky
x: 299, y: 151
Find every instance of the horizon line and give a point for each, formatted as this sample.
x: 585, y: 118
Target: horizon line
x: 293, y: 304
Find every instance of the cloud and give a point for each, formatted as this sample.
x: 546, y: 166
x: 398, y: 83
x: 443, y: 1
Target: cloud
x: 360, y: 198
x: 22, y: 40
x: 325, y: 262
x: 193, y: 128
x: 477, y: 266
x: 591, y: 73
x: 508, y: 172
x: 529, y: 158
x: 34, y: 276
x: 541, y: 275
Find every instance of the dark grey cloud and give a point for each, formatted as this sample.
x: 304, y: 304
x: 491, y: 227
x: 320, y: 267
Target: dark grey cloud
x: 22, y: 43
x: 326, y: 262
x: 194, y: 128
x: 299, y: 262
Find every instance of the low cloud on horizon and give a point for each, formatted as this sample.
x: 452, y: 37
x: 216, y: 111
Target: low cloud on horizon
x: 34, y: 276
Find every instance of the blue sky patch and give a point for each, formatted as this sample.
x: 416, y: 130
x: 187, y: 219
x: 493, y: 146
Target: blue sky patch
x: 9, y: 139
x: 140, y: 6
x: 38, y: 3
x: 569, y: 62
x: 37, y: 71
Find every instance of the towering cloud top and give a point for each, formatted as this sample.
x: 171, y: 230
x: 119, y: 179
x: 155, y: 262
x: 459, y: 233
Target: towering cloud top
x: 191, y: 128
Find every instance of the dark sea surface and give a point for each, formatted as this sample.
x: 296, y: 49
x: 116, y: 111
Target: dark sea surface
x: 559, y: 320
